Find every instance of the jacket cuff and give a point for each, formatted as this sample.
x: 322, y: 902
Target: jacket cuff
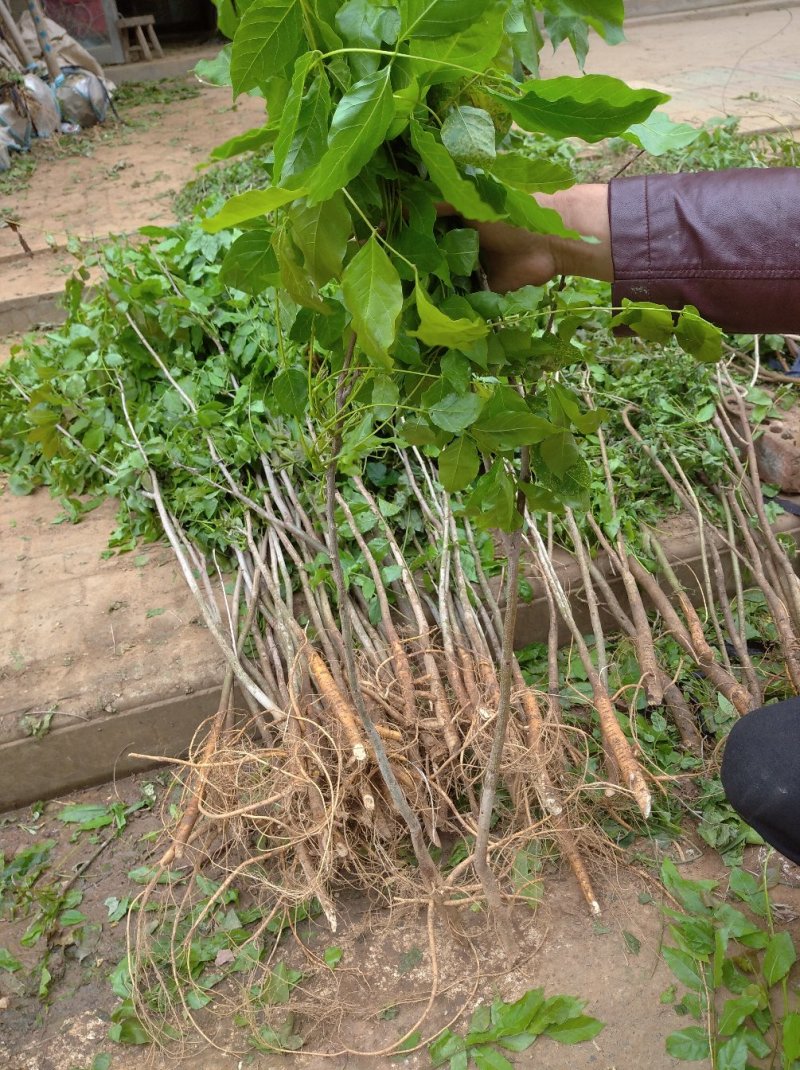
x: 727, y: 242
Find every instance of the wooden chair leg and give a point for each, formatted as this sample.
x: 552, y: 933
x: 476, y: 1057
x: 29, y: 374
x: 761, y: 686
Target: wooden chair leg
x: 140, y: 37
x: 155, y: 44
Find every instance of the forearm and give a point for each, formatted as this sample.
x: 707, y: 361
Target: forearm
x: 727, y: 242
x: 583, y: 208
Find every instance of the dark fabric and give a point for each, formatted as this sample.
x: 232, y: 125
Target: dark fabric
x: 761, y: 773
x: 727, y: 242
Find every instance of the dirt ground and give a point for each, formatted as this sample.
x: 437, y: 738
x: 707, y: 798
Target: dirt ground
x: 119, y: 179
x: 385, y: 963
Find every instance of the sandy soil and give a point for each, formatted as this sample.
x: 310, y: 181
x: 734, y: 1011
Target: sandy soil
x: 127, y: 178
x: 386, y: 963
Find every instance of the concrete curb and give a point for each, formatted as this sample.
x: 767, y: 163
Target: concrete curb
x: 97, y: 751
x: 21, y: 314
x: 713, y: 11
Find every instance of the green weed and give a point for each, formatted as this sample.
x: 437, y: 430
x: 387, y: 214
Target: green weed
x: 511, y: 1027
x: 736, y: 969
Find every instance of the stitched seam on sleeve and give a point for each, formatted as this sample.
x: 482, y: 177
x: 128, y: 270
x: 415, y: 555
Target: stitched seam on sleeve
x: 647, y: 221
x: 754, y: 273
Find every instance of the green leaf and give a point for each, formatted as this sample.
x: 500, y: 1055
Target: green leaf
x: 373, y: 294
x: 458, y: 464
x: 447, y: 59
x: 506, y: 422
x: 659, y: 134
x: 410, y: 1042
x: 652, y: 322
x: 490, y: 1059
x: 129, y: 1031
x: 293, y: 276
x: 605, y: 16
x: 732, y: 1055
x: 303, y: 132
x: 560, y: 452
x: 247, y: 142
x: 791, y: 1037
x: 290, y: 391
x: 446, y: 1045
x: 385, y: 396
x: 531, y: 175
x: 246, y: 206
x: 332, y: 956
x: 87, y: 814
x: 524, y: 34
x: 468, y: 134
x: 68, y: 918
x: 684, y: 966
x: 250, y: 264
x: 455, y: 412
x: 216, y: 71
x: 593, y: 107
x: 456, y: 189
x: 420, y: 433
x: 736, y: 1010
x: 278, y: 986
x: 437, y: 329
x: 267, y: 40
x: 632, y: 942
x: 101, y: 1061
x: 492, y: 501
x: 519, y: 1042
x: 689, y: 1045
x: 575, y: 1030
x: 701, y: 339
x: 369, y: 25
x: 8, y: 962
x: 523, y: 211
x: 514, y: 1018
x: 144, y: 874
x: 460, y: 246
x: 438, y: 18
x: 321, y: 233
x: 358, y: 127
x: 691, y: 894
x: 779, y: 958
x: 228, y: 16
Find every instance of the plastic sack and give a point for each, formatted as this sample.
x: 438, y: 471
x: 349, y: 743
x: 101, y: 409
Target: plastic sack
x: 15, y: 127
x: 82, y: 97
x: 42, y: 106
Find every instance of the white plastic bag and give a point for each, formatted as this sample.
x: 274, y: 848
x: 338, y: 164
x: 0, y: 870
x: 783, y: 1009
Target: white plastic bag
x: 42, y: 106
x: 15, y: 127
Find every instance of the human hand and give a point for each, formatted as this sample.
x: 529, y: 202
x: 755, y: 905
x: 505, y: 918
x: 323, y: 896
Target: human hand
x: 513, y: 257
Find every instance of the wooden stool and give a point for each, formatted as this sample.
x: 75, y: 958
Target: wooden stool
x: 139, y: 23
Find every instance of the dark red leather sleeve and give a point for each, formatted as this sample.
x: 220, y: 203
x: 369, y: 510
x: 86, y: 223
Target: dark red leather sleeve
x: 727, y: 242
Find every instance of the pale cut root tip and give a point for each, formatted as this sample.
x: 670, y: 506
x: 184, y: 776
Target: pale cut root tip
x: 360, y: 752
x: 369, y: 801
x: 594, y: 909
x: 485, y: 713
x: 644, y: 799
x: 331, y: 918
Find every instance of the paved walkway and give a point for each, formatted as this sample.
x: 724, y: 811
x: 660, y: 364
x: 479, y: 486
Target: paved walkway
x: 741, y: 64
